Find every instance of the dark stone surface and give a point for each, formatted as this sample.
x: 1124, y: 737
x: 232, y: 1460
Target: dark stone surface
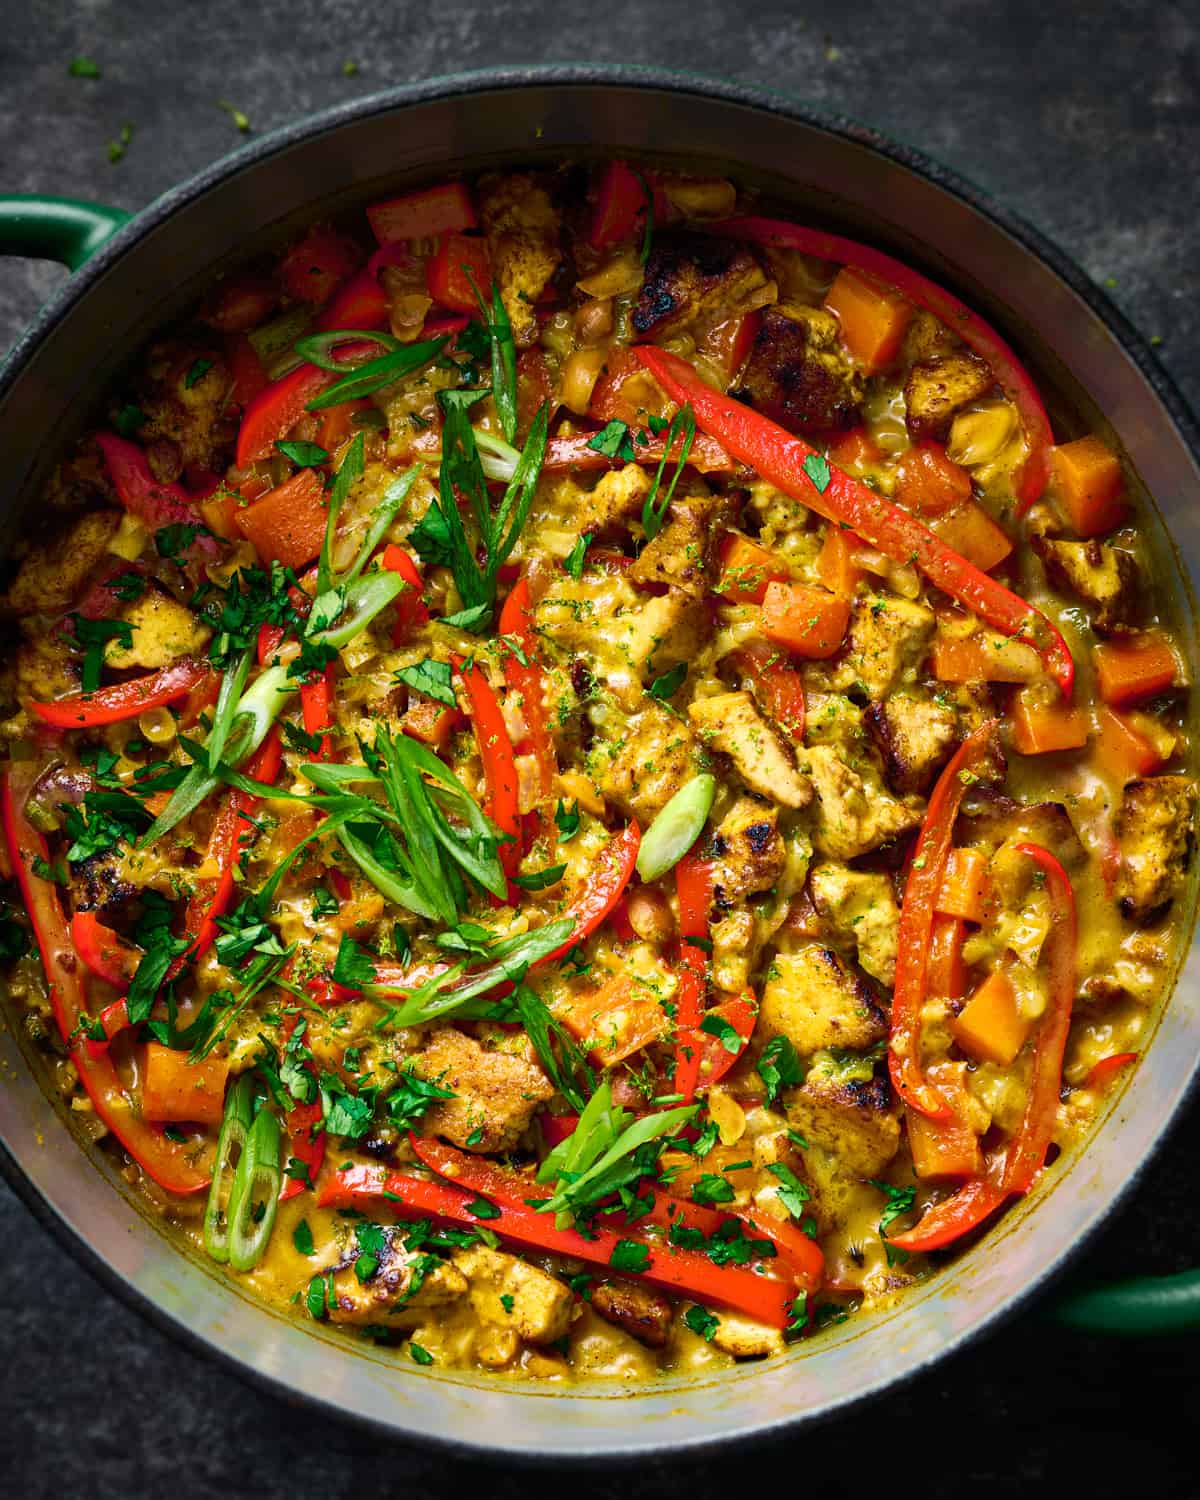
x: 1082, y: 116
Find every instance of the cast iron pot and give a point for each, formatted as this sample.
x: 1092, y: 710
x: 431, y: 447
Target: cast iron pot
x: 836, y: 173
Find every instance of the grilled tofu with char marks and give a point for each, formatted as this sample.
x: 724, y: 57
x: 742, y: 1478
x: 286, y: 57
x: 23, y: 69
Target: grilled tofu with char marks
x: 939, y: 387
x: 859, y: 906
x: 732, y: 724
x: 814, y: 999
x: 1156, y: 831
x: 405, y: 1284
x: 854, y: 812
x: 915, y: 735
x: 641, y: 765
x: 856, y: 1120
x: 1107, y: 579
x: 886, y: 643
x: 52, y: 574
x: 797, y: 374
x: 496, y: 1093
x: 522, y: 227
x: 694, y: 276
x: 749, y: 850
x: 643, y: 1313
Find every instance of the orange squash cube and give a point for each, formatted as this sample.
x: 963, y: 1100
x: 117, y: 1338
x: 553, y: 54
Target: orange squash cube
x: 873, y: 318
x: 990, y: 1027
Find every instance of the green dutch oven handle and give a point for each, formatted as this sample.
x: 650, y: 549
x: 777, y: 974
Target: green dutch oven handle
x: 62, y: 229
x: 70, y: 231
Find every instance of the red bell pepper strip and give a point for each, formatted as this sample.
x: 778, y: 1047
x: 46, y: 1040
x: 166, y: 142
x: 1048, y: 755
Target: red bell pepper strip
x: 316, y: 704
x: 411, y: 611
x: 1011, y: 376
x: 684, y: 1271
x: 921, y: 892
x: 527, y: 681
x: 359, y: 302
x: 605, y: 884
x: 1015, y: 1169
x: 423, y: 215
x: 112, y: 705
x: 270, y: 638
x: 1107, y: 1068
x: 778, y: 685
x: 801, y: 1254
x: 306, y: 1143
x: 620, y: 202
x: 273, y: 413
x: 143, y: 496
x: 499, y: 765
x: 707, y: 456
x: 230, y: 831
x: 167, y: 1162
x: 114, y: 1019
x: 104, y: 952
x: 694, y: 888
x: 780, y: 458
x: 715, y: 1058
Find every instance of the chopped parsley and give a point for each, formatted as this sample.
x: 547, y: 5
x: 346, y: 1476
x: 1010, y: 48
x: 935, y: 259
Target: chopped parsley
x: 779, y: 1067
x: 630, y: 1255
x: 701, y: 1321
x: 433, y: 678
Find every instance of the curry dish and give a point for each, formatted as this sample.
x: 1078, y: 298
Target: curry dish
x: 589, y: 789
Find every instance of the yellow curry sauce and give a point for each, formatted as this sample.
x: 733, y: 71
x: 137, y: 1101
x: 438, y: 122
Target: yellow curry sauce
x: 594, y: 790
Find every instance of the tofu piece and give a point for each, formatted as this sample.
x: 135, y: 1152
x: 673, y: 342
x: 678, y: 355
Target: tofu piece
x: 522, y: 227
x: 887, y: 641
x: 52, y: 574
x: 1156, y: 829
x: 732, y: 724
x: 642, y: 768
x: 695, y: 276
x: 1105, y: 578
x: 508, y: 1293
x: 915, y: 735
x: 797, y: 374
x: 643, y: 1313
x: 46, y: 667
x: 856, y: 1121
x: 616, y: 499
x: 684, y: 553
x: 749, y: 850
x: 404, y: 1283
x: 163, y: 631
x: 660, y: 632
x: 940, y: 386
x: 814, y: 999
x: 496, y: 1093
x: 860, y: 906
x: 188, y: 421
x: 745, y: 1338
x: 854, y: 812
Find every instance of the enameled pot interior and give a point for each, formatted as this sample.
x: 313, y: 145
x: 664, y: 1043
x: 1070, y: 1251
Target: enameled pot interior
x: 158, y: 266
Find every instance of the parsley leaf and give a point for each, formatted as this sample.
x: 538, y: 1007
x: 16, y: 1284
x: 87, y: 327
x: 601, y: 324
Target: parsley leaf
x: 353, y: 967
x: 421, y: 1355
x: 433, y: 678
x: 411, y: 1097
x: 577, y: 556
x: 94, y: 635
x: 306, y: 455
x: 817, y: 469
x: 779, y: 1067
x: 129, y: 419
x: 540, y: 880
x: 325, y: 903
x: 701, y: 1321
x: 302, y: 1238
x: 793, y: 1193
x: 899, y: 1201
x: 728, y: 1034
x: 712, y: 1188
x: 344, y: 1112
x: 669, y: 683
x: 630, y: 1255
x: 198, y: 371
x: 613, y: 441
x: 567, y: 821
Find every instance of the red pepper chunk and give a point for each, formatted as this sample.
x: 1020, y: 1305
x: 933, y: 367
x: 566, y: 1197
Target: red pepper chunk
x: 526, y: 680
x: 143, y: 496
x: 359, y: 302
x: 922, y: 890
x: 596, y: 898
x: 423, y: 215
x: 1011, y: 376
x: 273, y: 413
x: 1015, y: 1169
x: 316, y: 705
x: 620, y: 202
x: 685, y: 1271
x: 113, y: 705
x: 105, y: 953
x: 496, y: 752
x: 446, y: 275
x: 781, y: 458
x: 410, y: 607
x: 168, y: 1162
x: 694, y: 889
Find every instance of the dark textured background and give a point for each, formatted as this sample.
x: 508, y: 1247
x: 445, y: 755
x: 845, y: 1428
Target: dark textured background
x: 1085, y: 118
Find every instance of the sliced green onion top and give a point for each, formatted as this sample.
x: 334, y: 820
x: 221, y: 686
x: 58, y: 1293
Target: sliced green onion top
x: 318, y: 348
x: 255, y: 1195
x: 676, y: 828
x: 231, y: 1144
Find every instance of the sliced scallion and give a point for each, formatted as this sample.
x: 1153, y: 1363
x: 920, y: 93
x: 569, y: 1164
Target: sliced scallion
x: 231, y: 1149
x: 676, y: 828
x: 280, y: 333
x: 361, y: 602
x: 377, y: 373
x: 255, y: 1194
x: 317, y: 349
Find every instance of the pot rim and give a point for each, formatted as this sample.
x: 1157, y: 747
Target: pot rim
x: 678, y: 82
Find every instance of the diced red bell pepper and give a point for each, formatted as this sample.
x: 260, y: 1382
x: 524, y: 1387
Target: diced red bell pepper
x: 306, y: 1144
x: 694, y: 892
x: 604, y: 886
x: 446, y: 273
x: 496, y: 752
x: 273, y: 413
x: 143, y: 496
x: 526, y: 680
x: 922, y: 890
x: 1011, y: 376
x: 715, y: 1058
x: 312, y: 268
x: 423, y: 215
x: 778, y: 686
x: 104, y: 952
x: 125, y: 700
x: 316, y: 705
x: 411, y: 612
x: 620, y: 203
x: 782, y: 458
x: 728, y: 344
x: 249, y: 377
x: 171, y: 1164
x: 359, y: 302
x: 288, y: 524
